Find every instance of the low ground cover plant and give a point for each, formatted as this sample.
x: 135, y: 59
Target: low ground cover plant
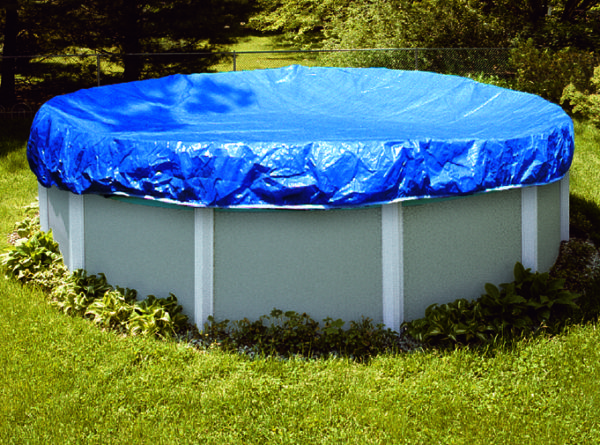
x: 532, y: 302
x: 287, y: 334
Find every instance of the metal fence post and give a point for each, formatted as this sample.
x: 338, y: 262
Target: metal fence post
x: 234, y: 60
x: 416, y: 59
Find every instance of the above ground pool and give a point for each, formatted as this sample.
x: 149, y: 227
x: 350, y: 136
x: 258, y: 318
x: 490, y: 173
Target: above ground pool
x: 337, y: 192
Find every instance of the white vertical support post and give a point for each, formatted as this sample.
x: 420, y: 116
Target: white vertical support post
x: 76, y: 232
x: 203, y: 265
x: 529, y: 228
x: 564, y: 208
x: 392, y: 265
x: 43, y: 206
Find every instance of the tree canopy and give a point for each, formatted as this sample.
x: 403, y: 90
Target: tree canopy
x: 433, y: 23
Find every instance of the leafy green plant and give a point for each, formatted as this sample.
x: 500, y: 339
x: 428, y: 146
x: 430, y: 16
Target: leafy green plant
x: 289, y: 333
x: 585, y: 103
x: 533, y: 299
x: 521, y: 307
x: 34, y: 257
x: 364, y: 339
x: 113, y: 310
x: 457, y: 322
x: 160, y: 317
x: 546, y: 73
x: 30, y: 257
x: 78, y: 291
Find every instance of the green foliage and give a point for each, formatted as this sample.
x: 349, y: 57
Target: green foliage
x: 532, y: 301
x: 77, y: 291
x: 30, y: 258
x: 300, y: 22
x: 287, y: 334
x: 391, y: 24
x: 585, y: 103
x: 547, y: 72
x: 161, y: 317
x: 112, y: 311
x: 34, y: 257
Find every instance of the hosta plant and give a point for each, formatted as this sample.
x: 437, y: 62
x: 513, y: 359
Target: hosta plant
x: 532, y: 301
x: 78, y: 291
x: 30, y: 257
x: 113, y: 310
x: 161, y: 317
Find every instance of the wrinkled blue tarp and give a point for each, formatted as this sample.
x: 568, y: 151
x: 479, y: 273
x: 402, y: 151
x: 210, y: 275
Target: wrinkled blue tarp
x: 298, y: 137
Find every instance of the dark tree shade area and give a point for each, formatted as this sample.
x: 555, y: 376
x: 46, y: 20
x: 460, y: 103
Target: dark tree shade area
x: 121, y: 29
x: 11, y: 29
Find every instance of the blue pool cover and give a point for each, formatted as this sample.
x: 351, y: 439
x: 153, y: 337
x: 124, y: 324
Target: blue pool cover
x: 299, y: 137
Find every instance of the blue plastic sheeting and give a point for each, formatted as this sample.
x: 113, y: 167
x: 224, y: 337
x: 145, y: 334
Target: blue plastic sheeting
x: 299, y: 137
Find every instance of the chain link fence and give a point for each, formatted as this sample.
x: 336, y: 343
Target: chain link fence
x: 39, y: 78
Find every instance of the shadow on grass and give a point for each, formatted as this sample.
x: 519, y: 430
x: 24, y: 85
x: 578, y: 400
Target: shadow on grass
x: 584, y: 219
x: 578, y: 262
x: 13, y: 135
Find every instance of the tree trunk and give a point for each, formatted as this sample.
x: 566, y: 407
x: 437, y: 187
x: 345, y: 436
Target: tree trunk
x: 8, y: 96
x: 131, y: 41
x: 537, y: 13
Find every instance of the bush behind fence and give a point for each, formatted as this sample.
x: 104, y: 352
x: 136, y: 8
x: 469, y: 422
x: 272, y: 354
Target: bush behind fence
x: 39, y: 78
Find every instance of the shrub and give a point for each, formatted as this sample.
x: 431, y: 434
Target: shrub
x: 287, y: 334
x: 585, y: 102
x: 546, y: 72
x: 532, y: 301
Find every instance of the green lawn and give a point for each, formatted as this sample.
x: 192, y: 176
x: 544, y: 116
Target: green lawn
x: 585, y: 171
x: 256, y: 60
x: 64, y: 381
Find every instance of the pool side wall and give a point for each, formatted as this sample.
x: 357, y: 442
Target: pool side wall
x: 387, y: 263
x: 325, y: 263
x: 452, y: 248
